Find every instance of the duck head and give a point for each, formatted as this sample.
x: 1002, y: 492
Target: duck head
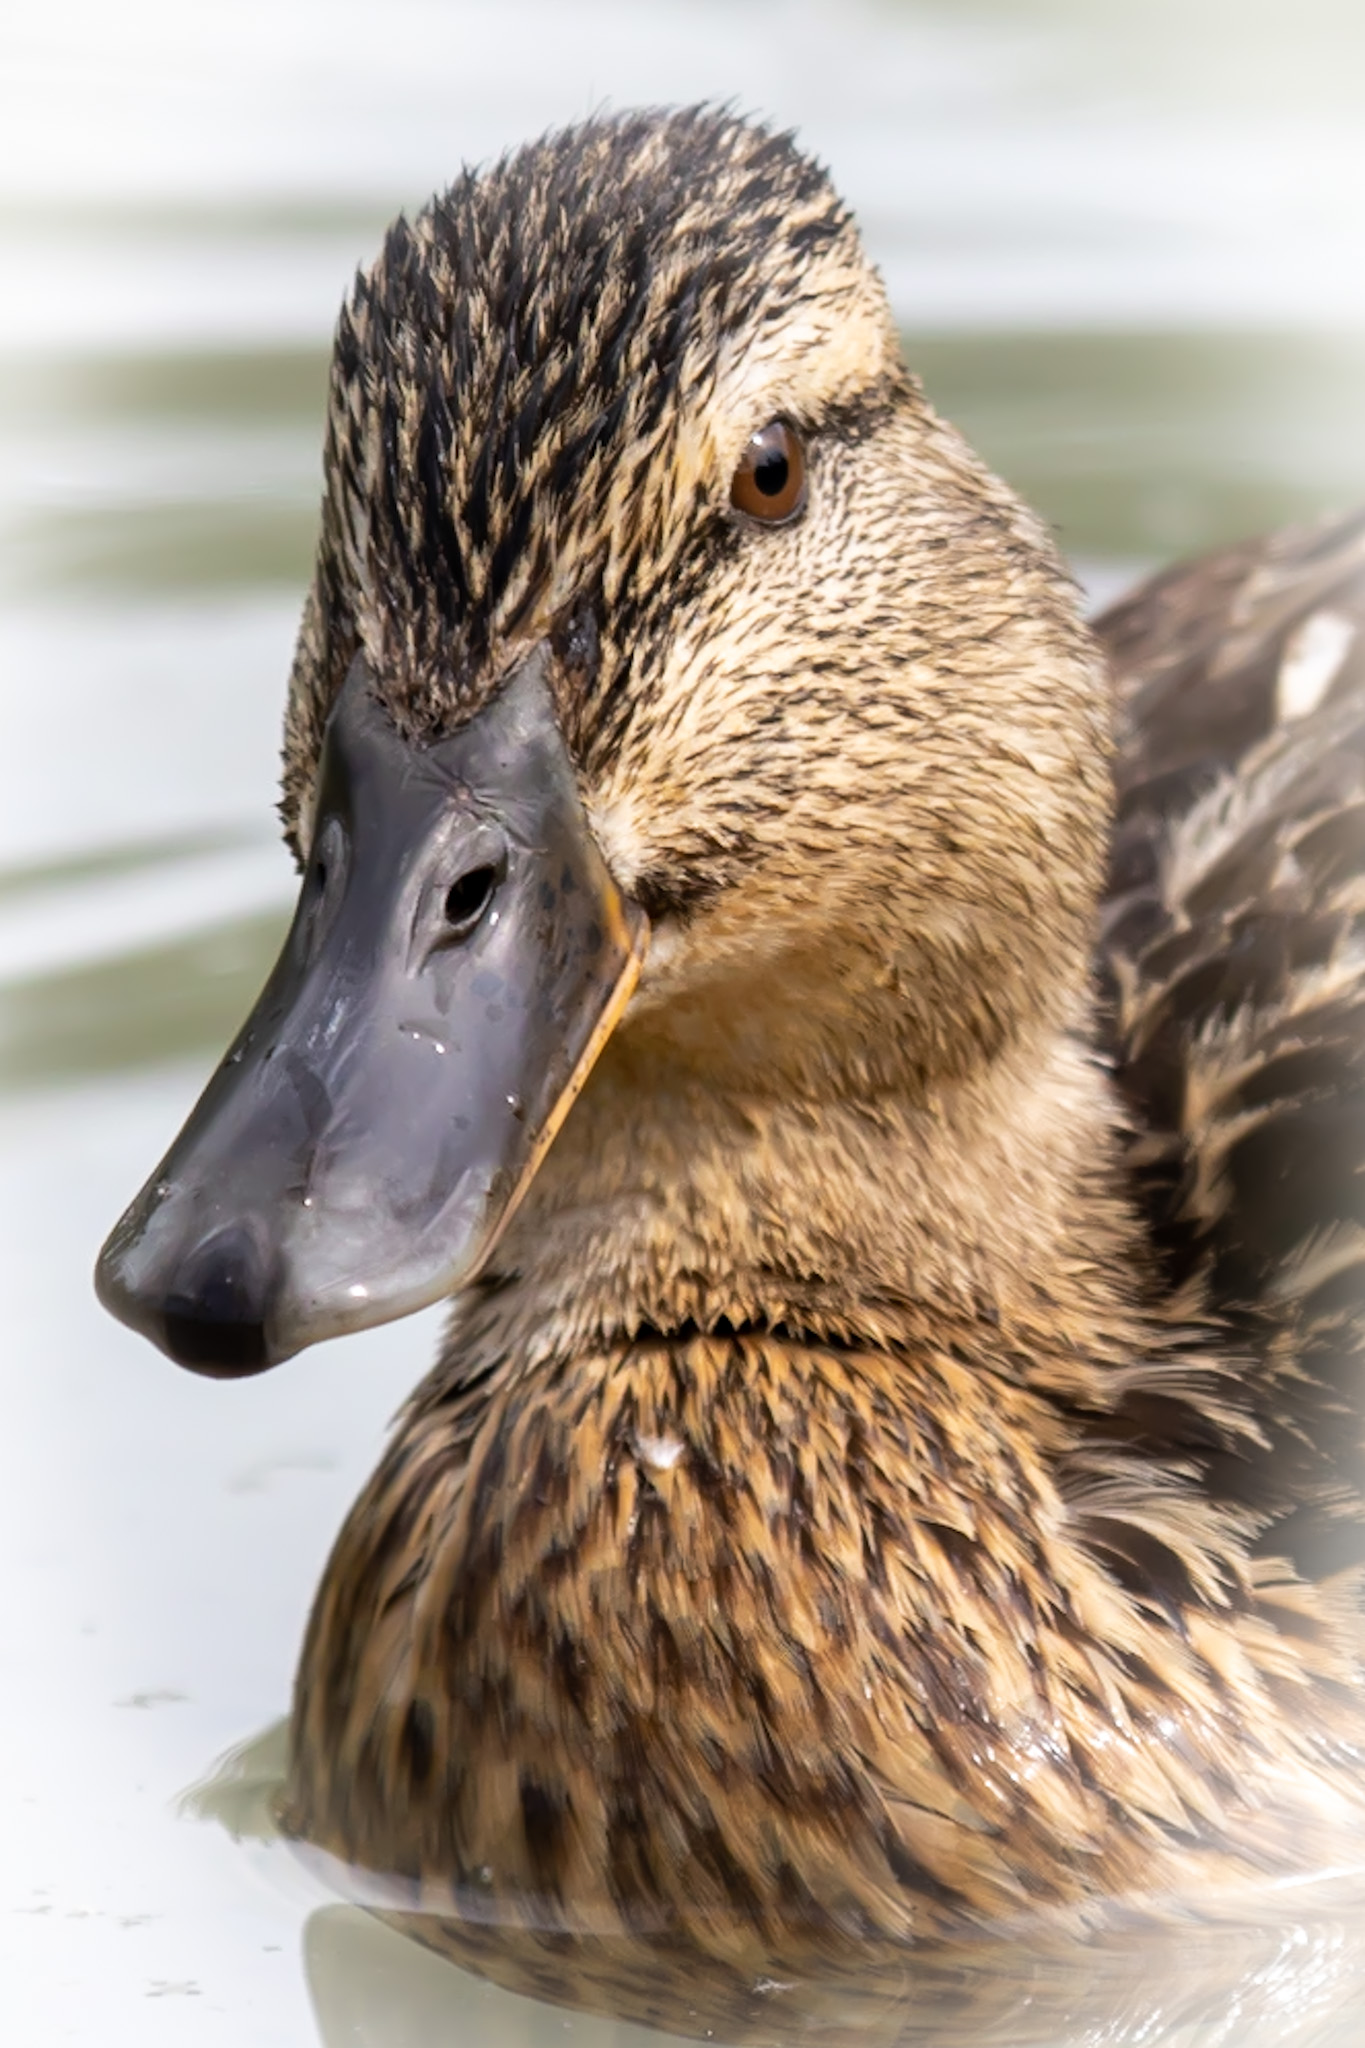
x: 669, y: 669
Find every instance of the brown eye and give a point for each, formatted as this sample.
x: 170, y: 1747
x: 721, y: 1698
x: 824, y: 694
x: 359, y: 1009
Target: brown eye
x: 770, y: 481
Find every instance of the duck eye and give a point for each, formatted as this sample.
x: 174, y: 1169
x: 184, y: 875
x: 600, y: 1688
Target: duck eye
x: 770, y: 481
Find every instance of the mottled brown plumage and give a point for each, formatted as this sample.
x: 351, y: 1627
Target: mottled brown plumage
x: 900, y: 1472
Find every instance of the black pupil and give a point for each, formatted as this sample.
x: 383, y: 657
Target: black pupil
x: 770, y: 473
x: 468, y: 898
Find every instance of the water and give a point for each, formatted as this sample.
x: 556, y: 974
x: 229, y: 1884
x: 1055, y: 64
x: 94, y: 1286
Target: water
x: 1126, y: 248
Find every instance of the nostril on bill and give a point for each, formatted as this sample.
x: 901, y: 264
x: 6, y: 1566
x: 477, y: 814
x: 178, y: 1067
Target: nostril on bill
x: 214, y: 1316
x: 467, y: 899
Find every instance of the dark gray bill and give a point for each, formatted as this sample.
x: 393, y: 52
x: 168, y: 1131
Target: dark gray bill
x: 457, y: 959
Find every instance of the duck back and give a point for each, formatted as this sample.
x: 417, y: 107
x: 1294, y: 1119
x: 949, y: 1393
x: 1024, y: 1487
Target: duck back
x: 1232, y: 960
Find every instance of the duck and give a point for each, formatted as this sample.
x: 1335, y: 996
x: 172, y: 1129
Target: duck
x: 872, y: 1062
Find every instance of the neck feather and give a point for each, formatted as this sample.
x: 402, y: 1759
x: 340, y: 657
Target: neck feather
x: 669, y: 1204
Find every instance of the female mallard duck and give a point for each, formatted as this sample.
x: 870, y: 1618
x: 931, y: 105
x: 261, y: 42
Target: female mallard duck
x: 895, y: 1463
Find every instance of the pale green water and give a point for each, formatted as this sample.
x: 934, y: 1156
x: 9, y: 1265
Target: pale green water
x: 1126, y: 250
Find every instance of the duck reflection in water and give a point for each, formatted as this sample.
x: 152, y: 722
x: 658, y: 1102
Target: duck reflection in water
x: 1281, y: 1970
x: 893, y: 1472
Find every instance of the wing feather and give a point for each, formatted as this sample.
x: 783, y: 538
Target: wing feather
x: 1232, y: 957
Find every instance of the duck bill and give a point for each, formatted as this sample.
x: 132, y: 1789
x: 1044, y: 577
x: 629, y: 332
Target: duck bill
x: 457, y: 959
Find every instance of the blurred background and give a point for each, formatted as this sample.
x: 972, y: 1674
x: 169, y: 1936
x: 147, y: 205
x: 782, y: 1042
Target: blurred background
x: 1126, y: 247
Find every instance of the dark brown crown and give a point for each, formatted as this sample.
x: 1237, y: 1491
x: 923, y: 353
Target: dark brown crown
x: 513, y: 356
